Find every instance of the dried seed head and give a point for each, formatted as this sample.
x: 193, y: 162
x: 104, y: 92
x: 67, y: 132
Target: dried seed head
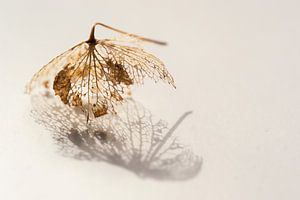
x: 95, y: 75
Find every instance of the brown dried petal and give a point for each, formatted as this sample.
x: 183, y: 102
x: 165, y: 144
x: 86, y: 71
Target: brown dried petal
x: 117, y: 96
x: 62, y: 84
x: 99, y: 111
x: 118, y: 74
x: 76, y: 101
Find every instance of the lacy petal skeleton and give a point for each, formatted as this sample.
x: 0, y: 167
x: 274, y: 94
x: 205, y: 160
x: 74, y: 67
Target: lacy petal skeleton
x: 95, y: 75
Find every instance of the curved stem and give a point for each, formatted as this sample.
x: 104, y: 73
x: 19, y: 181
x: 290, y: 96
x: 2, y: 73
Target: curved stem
x: 92, y: 35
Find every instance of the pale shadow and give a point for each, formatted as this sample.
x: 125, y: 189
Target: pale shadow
x: 133, y: 139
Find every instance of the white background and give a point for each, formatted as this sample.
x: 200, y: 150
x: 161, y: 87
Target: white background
x: 235, y: 63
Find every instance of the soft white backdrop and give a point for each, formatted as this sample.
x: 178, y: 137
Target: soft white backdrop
x: 236, y: 65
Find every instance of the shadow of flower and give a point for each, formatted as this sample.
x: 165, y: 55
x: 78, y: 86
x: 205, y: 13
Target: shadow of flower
x: 132, y: 139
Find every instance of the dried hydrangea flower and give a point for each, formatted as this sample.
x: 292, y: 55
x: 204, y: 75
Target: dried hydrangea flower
x: 95, y: 74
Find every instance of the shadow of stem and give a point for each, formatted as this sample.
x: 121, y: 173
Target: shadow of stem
x: 132, y: 139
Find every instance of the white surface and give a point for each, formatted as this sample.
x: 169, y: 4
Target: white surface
x: 236, y: 65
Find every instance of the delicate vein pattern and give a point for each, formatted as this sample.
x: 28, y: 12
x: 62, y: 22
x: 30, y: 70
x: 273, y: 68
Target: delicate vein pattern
x: 95, y: 75
x: 133, y: 139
